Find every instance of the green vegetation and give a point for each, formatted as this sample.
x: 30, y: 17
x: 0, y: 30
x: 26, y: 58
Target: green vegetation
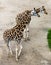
x: 49, y: 38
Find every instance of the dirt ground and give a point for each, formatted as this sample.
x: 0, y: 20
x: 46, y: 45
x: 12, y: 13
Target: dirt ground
x: 35, y: 51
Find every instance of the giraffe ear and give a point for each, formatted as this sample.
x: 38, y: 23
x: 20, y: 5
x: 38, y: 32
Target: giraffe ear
x: 34, y: 8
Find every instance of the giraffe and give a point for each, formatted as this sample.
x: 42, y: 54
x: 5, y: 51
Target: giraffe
x: 16, y: 33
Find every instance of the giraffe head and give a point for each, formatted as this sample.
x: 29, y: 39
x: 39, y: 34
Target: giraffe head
x: 42, y: 10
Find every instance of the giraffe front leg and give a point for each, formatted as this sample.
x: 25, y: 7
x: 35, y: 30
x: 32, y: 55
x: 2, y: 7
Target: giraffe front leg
x: 27, y: 32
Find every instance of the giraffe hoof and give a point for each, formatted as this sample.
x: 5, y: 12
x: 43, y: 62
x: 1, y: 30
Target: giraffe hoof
x: 17, y: 60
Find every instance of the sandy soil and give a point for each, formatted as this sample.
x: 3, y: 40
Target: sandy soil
x: 35, y: 51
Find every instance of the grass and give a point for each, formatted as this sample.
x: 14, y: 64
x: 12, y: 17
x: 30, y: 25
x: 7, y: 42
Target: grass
x: 49, y: 38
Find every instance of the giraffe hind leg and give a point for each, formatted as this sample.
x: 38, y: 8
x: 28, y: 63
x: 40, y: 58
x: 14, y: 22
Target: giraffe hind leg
x: 9, y: 48
x: 16, y: 53
x: 20, y: 49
